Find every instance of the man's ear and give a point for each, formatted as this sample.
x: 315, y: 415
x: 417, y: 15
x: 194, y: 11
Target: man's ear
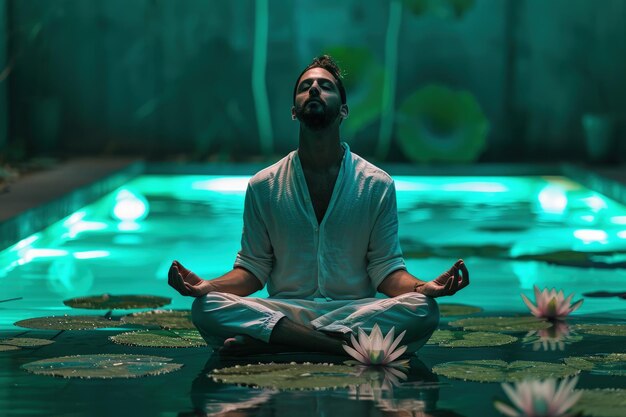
x: 343, y: 111
x: 293, y: 113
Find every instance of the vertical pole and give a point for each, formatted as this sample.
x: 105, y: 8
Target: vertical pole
x: 389, y: 82
x: 259, y: 91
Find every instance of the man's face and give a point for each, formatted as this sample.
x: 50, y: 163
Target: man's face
x: 317, y: 102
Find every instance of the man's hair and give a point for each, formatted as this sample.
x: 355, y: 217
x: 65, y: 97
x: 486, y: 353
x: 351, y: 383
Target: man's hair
x: 327, y: 63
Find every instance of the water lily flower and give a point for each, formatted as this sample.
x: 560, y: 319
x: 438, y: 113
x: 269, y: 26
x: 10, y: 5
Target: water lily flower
x: 551, y: 304
x: 373, y: 349
x: 533, y: 398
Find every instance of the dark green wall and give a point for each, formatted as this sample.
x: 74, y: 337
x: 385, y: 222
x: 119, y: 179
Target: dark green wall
x: 4, y: 73
x: 168, y: 77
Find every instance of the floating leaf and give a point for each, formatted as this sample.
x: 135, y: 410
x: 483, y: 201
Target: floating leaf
x: 26, y: 342
x: 447, y: 310
x: 502, y: 324
x: 500, y: 371
x: 6, y: 348
x: 117, y: 302
x: 67, y: 323
x: 291, y: 376
x: 102, y: 366
x: 160, y: 338
x: 601, y: 329
x: 448, y: 338
x: 602, y: 364
x: 602, y: 403
x: 166, y: 319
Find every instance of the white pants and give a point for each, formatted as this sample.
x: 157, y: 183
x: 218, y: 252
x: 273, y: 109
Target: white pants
x: 219, y: 316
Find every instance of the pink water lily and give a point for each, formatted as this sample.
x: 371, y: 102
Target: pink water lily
x: 533, y: 398
x: 551, y: 304
x: 374, y: 349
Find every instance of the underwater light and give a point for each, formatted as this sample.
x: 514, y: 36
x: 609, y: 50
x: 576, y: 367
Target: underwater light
x: 552, y: 199
x: 618, y: 219
x: 591, y: 235
x: 91, y: 254
x: 222, y: 184
x: 622, y: 234
x: 130, y: 206
x: 595, y: 203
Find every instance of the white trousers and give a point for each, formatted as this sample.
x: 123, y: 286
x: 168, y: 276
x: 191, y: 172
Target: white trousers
x: 219, y: 316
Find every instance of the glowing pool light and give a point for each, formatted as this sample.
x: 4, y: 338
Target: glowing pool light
x: 618, y: 219
x: 552, y: 199
x: 591, y: 235
x: 130, y: 206
x: 91, y: 254
x: 595, y: 203
x: 222, y: 184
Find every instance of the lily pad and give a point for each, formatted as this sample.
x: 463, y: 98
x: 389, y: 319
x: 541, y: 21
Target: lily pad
x: 117, y: 302
x: 102, y: 366
x: 502, y: 324
x: 602, y: 364
x: 6, y: 348
x: 602, y: 403
x: 500, y: 371
x: 601, y: 329
x: 161, y: 319
x: 291, y: 376
x: 448, y: 338
x: 67, y: 323
x: 26, y: 342
x: 447, y: 310
x: 160, y: 338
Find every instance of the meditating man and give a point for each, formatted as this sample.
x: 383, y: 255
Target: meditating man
x: 321, y: 231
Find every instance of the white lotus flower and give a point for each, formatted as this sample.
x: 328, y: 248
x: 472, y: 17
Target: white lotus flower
x: 373, y: 349
x: 551, y: 304
x: 533, y: 398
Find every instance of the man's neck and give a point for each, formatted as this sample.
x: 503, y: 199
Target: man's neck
x: 320, y: 150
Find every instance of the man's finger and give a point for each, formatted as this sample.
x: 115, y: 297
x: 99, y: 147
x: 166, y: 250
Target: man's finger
x: 464, y: 276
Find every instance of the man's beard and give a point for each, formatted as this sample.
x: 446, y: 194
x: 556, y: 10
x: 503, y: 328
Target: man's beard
x: 316, y: 117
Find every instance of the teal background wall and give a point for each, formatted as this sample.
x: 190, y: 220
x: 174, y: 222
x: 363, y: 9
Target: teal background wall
x: 164, y: 78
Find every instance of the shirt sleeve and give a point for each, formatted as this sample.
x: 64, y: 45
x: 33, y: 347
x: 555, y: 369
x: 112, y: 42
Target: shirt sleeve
x: 256, y: 254
x: 383, y: 253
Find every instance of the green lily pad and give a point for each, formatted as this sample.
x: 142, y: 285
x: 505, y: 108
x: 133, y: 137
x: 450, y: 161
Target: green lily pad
x: 601, y: 329
x: 502, y: 324
x: 447, y: 310
x: 500, y: 371
x: 102, y: 366
x: 117, y: 302
x: 601, y: 403
x: 602, y: 364
x: 291, y: 376
x: 448, y: 338
x: 26, y: 342
x: 6, y: 348
x: 160, y: 338
x: 67, y: 323
x: 161, y: 319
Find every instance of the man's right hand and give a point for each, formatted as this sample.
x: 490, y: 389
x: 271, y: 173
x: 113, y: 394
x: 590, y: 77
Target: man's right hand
x: 186, y: 282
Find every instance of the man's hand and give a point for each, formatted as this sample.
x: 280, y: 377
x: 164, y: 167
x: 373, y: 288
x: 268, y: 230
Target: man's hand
x: 186, y: 282
x: 448, y: 283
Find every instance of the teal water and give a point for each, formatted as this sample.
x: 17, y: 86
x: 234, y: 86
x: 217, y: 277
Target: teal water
x: 513, y: 233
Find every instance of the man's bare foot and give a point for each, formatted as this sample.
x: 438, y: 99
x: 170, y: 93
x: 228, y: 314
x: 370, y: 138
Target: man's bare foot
x: 243, y: 345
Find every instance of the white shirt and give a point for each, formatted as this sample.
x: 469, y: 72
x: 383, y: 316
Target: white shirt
x: 344, y: 257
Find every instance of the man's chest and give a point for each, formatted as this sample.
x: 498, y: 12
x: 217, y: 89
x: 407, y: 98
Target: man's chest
x: 320, y: 187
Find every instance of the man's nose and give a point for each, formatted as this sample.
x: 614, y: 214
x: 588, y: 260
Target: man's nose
x: 314, y: 90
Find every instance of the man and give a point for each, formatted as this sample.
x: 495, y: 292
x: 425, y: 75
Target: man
x: 321, y: 231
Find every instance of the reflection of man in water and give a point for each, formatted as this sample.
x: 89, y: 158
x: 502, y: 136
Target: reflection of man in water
x: 321, y: 231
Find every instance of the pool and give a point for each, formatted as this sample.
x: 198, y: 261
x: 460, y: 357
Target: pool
x: 513, y: 232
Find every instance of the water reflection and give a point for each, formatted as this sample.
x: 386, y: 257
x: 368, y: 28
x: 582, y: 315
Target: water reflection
x: 389, y: 392
x: 553, y: 338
